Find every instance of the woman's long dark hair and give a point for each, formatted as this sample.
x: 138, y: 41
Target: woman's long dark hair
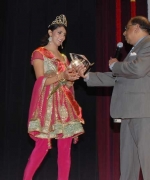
x: 44, y: 40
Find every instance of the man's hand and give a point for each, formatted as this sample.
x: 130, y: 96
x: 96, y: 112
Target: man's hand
x: 112, y: 60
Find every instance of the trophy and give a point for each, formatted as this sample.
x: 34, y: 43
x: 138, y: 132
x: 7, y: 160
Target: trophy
x: 77, y: 59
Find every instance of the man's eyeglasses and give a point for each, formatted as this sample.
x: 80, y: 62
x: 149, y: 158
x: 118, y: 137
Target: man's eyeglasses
x: 127, y: 27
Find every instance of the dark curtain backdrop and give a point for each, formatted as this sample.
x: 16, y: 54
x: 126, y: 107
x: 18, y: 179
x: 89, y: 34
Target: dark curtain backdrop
x: 23, y: 24
x: 91, y: 31
x: 107, y: 131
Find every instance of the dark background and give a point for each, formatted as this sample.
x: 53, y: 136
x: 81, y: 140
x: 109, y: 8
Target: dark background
x: 91, y: 31
x: 24, y: 23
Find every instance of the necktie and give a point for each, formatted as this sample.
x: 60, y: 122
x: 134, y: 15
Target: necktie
x: 131, y: 49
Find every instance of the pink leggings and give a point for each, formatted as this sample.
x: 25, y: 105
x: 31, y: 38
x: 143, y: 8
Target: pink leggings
x: 40, y: 151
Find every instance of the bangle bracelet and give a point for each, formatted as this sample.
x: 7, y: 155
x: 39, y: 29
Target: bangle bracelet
x: 57, y: 77
x: 60, y: 77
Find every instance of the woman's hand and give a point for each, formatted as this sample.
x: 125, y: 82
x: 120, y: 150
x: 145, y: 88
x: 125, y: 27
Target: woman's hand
x: 70, y: 74
x: 80, y: 69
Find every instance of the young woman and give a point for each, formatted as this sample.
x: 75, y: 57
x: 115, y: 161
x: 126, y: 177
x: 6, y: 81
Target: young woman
x: 54, y: 113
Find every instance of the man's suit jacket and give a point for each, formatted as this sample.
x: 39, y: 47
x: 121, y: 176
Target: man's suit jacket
x: 131, y: 81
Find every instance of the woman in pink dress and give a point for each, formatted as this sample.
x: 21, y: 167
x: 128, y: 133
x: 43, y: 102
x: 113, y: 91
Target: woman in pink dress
x: 54, y: 112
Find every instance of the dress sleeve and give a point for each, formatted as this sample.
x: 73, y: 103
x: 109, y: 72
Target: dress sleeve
x: 36, y: 55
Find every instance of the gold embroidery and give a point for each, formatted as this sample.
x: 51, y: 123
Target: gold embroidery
x: 63, y: 113
x: 34, y: 125
x: 70, y: 129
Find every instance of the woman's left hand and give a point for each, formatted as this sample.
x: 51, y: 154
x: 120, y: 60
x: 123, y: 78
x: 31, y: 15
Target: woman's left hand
x: 80, y: 69
x: 70, y: 74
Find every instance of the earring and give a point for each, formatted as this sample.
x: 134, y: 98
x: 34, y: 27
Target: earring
x: 62, y: 46
x: 50, y: 39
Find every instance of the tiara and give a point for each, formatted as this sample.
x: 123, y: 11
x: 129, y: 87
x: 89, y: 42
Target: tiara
x: 60, y: 20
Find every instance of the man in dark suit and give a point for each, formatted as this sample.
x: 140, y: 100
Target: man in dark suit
x: 130, y: 98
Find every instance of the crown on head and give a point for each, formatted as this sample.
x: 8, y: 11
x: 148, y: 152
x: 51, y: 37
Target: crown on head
x: 60, y: 20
